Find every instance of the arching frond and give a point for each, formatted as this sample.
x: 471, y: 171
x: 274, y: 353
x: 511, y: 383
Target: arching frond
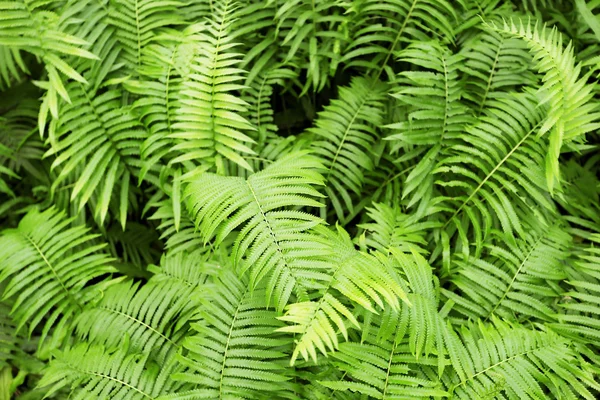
x: 234, y: 352
x: 571, y: 114
x: 390, y: 227
x: 155, y: 316
x: 494, y: 63
x: 137, y: 21
x: 384, y: 27
x: 346, y: 132
x: 274, y: 241
x: 494, y: 170
x: 514, y: 362
x: 384, y: 368
x: 517, y: 281
x: 48, y: 264
x: 94, y: 372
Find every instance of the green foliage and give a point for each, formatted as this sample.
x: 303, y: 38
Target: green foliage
x: 299, y: 199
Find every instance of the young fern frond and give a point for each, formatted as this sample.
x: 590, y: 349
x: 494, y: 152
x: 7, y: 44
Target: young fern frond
x: 48, y: 264
x: 209, y: 128
x: 234, y: 352
x: 346, y: 133
x: 517, y: 363
x: 94, y: 372
x: 356, y: 276
x: 517, y: 282
x: 275, y: 241
x: 571, y: 114
x: 436, y: 115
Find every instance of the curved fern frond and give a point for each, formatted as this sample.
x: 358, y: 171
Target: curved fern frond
x: 155, y: 315
x: 383, y: 26
x: 493, y: 171
x: 33, y: 26
x: 517, y: 363
x: 436, y: 115
x: 96, y: 141
x: 234, y: 353
x: 274, y: 240
x: 518, y: 281
x: 47, y: 265
x: 346, y: 132
x: 390, y: 227
x: 494, y: 63
x: 571, y: 114
x: 94, y: 372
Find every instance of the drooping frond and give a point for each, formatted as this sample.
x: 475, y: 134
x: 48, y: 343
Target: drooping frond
x: 209, y: 127
x: 346, y: 132
x: 48, y: 263
x: 516, y: 363
x: 515, y: 281
x: 386, y: 26
x: 436, y: 115
x: 274, y: 241
x: 494, y: 63
x: 155, y: 316
x: 35, y: 26
x: 354, y: 275
x: 96, y: 141
x: 94, y: 372
x: 234, y: 352
x: 494, y: 169
x: 571, y: 114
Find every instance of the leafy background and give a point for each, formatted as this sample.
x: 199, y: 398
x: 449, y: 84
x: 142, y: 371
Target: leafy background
x: 299, y: 199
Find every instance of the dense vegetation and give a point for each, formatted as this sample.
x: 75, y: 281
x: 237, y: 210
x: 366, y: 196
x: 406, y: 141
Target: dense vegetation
x: 299, y: 199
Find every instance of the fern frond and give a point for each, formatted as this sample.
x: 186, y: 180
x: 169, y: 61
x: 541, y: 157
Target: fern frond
x: 516, y: 281
x: 521, y: 363
x: 390, y: 227
x: 94, y: 372
x: 136, y: 23
x: 274, y: 241
x: 96, y: 141
x: 493, y: 171
x: 356, y: 276
x: 384, y: 27
x: 346, y: 132
x: 571, y: 114
x: 47, y: 265
x: 494, y: 63
x: 208, y: 124
x: 234, y: 352
x: 383, y: 368
x: 155, y: 315
x: 436, y: 114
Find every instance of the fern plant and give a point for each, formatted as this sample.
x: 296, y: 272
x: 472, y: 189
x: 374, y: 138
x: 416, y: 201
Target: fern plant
x: 299, y: 199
